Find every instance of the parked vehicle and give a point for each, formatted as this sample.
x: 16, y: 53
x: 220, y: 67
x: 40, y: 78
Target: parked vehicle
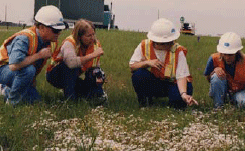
x: 187, y: 28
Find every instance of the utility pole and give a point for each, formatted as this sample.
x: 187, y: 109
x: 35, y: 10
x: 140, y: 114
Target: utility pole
x: 6, y: 16
x: 158, y: 14
x: 6, y: 13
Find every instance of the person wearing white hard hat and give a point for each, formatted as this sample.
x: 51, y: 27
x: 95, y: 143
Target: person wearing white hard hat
x: 159, y: 67
x: 23, y: 55
x: 225, y: 71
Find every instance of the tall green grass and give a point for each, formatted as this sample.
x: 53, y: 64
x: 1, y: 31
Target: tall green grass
x: 118, y: 47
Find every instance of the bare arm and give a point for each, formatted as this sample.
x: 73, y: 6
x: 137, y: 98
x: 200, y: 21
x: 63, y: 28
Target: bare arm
x: 137, y: 65
x: 182, y: 85
x: 44, y: 53
x: 146, y: 63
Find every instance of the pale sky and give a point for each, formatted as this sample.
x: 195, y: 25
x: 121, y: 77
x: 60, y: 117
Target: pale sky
x: 211, y: 17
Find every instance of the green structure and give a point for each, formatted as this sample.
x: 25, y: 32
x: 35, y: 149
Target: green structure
x: 73, y: 10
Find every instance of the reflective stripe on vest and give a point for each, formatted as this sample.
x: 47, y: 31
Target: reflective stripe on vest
x: 34, y: 39
x: 237, y: 82
x: 55, y: 60
x: 33, y: 42
x: 95, y: 60
x: 170, y: 68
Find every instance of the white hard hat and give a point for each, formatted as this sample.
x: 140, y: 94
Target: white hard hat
x: 162, y: 31
x: 50, y: 16
x: 229, y: 43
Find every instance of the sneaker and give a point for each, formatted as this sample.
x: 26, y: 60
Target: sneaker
x: 2, y: 89
x: 100, y: 100
x: 8, y: 102
x: 103, y: 99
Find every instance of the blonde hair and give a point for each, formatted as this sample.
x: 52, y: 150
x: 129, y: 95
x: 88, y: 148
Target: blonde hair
x: 80, y: 28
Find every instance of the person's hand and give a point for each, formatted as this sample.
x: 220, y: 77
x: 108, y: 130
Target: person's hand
x: 220, y: 73
x: 155, y: 63
x: 45, y: 53
x: 189, y: 99
x: 98, y: 52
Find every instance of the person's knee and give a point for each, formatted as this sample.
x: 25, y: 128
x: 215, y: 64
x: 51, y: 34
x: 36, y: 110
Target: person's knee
x: 216, y: 80
x: 28, y: 71
x: 140, y: 74
x: 217, y: 84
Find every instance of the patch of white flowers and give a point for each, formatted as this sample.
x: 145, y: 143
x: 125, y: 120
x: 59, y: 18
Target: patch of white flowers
x: 102, y: 131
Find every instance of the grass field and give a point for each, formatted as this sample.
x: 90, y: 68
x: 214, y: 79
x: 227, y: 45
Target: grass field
x: 63, y: 125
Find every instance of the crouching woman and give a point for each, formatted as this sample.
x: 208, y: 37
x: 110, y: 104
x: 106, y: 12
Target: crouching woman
x: 79, y: 53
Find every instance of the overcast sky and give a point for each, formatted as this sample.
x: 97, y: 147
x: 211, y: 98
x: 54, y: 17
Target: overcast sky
x: 210, y: 16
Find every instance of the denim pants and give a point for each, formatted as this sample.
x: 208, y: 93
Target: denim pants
x: 146, y: 85
x: 74, y: 87
x: 18, y: 84
x: 218, y: 91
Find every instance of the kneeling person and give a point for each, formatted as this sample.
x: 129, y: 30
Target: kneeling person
x: 225, y: 71
x: 79, y: 53
x: 159, y: 67
x: 23, y: 55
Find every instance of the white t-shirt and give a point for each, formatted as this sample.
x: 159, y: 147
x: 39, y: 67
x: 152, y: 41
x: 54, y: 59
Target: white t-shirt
x: 182, y: 67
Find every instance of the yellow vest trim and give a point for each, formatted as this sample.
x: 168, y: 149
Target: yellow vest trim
x: 170, y: 68
x: 95, y: 60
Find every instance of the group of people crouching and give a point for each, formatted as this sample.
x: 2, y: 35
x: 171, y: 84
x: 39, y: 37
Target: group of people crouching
x: 158, y: 64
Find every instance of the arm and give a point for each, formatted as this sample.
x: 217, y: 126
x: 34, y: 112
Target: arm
x: 72, y: 60
x: 44, y: 53
x: 18, y: 53
x: 98, y: 52
x: 210, y: 70
x: 182, y: 85
x: 181, y: 75
x: 145, y: 64
x: 139, y: 61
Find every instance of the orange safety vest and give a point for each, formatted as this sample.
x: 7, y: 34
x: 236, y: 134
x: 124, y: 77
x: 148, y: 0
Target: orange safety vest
x: 237, y: 82
x: 33, y: 43
x: 168, y: 71
x: 55, y: 60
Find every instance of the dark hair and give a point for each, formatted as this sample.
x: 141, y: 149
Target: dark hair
x: 239, y: 56
x: 37, y: 24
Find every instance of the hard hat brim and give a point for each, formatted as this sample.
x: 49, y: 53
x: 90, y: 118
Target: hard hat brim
x: 227, y: 51
x: 59, y: 26
x: 154, y: 38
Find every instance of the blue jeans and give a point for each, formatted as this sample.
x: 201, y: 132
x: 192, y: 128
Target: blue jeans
x: 218, y: 91
x: 19, y: 84
x: 74, y: 87
x: 146, y: 85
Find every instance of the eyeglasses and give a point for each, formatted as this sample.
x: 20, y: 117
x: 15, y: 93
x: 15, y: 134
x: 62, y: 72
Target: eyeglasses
x: 166, y: 43
x: 55, y: 31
